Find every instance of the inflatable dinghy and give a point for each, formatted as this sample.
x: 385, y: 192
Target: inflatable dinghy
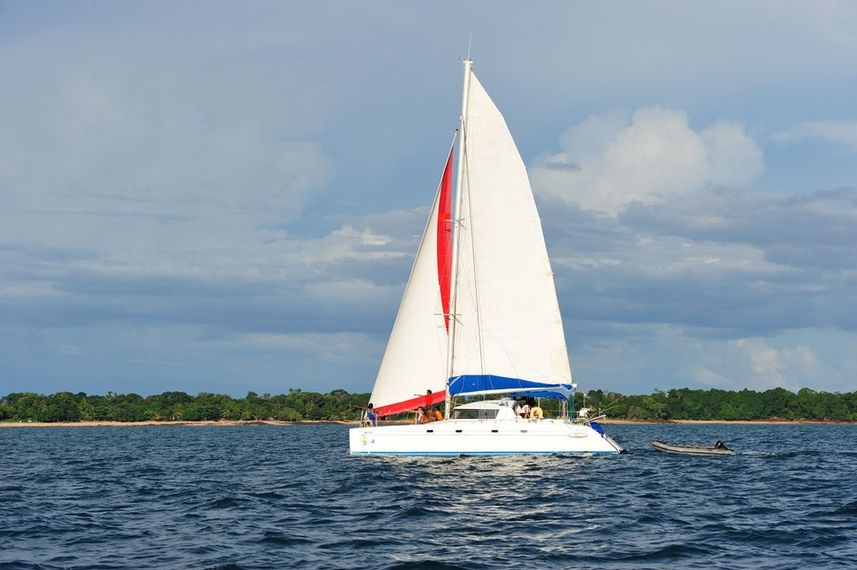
x: 718, y: 449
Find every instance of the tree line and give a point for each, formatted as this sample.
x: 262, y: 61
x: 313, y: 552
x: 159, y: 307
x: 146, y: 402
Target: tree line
x: 687, y: 404
x: 297, y: 405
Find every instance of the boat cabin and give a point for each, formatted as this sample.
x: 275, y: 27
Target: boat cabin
x: 502, y: 410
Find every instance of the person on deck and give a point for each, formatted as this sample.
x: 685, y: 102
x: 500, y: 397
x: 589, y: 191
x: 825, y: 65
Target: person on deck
x: 436, y: 415
x: 371, y: 418
x: 421, y: 416
x: 536, y: 413
x: 525, y: 410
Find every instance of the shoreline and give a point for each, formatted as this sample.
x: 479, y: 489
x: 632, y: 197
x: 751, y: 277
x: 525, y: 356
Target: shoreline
x: 770, y: 422
x: 234, y: 423
x: 171, y: 423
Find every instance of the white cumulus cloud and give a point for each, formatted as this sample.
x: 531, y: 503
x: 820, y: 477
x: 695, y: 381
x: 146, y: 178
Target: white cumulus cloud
x: 769, y: 367
x: 613, y: 159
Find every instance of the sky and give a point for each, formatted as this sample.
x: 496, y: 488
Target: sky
x: 227, y: 196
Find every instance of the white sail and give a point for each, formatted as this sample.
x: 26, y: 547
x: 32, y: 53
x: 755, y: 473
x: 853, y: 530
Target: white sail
x: 415, y: 359
x: 509, y: 324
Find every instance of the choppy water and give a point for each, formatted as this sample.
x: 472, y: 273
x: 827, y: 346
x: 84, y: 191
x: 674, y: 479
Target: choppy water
x: 264, y: 496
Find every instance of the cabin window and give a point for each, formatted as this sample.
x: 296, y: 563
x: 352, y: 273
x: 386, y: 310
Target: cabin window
x: 474, y: 414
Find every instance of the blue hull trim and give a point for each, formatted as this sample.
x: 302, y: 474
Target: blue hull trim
x: 456, y: 453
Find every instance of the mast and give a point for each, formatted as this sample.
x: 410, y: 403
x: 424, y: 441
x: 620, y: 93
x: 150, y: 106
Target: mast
x: 459, y: 178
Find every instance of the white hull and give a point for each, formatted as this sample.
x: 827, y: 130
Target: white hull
x: 482, y: 437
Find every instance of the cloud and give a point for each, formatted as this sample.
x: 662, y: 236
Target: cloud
x: 329, y: 347
x: 806, y: 230
x: 839, y: 133
x: 663, y: 356
x: 730, y: 263
x: 269, y: 312
x: 643, y: 233
x: 94, y: 153
x: 612, y: 160
x: 707, y: 377
x: 148, y: 184
x: 771, y: 368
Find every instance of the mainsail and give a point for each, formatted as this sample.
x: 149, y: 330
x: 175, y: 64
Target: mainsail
x: 508, y: 332
x: 416, y: 355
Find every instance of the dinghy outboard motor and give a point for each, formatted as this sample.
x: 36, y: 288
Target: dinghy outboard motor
x: 720, y: 445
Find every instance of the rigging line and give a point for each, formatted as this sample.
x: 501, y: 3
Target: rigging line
x: 475, y: 270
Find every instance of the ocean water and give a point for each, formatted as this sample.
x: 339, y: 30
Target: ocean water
x: 290, y: 496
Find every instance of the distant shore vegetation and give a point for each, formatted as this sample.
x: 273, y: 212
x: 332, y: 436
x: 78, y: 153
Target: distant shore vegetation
x: 297, y: 405
x: 688, y: 404
x: 339, y: 405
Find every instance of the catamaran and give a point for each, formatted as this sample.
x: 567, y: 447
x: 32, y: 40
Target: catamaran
x: 479, y: 328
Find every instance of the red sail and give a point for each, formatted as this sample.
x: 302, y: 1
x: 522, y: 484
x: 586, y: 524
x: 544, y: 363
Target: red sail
x: 410, y: 405
x: 444, y: 237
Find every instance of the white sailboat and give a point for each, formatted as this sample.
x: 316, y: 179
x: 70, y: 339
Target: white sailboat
x: 479, y: 317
